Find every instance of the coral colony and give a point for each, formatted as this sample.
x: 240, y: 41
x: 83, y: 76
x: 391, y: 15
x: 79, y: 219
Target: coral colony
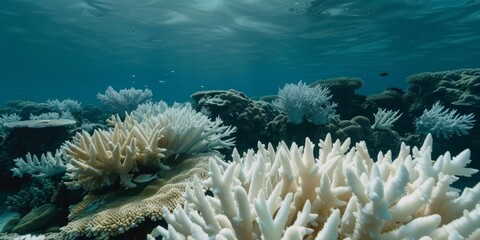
x: 286, y: 193
x: 172, y: 163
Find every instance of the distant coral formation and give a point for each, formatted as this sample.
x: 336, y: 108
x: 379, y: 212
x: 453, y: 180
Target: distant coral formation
x: 45, y: 165
x: 300, y: 101
x: 444, y: 122
x: 459, y: 87
x: 125, y: 100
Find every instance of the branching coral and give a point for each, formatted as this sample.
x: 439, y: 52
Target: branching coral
x: 67, y: 105
x: 102, y: 158
x: 444, y: 122
x: 384, y: 119
x: 286, y: 193
x: 126, y: 99
x: 39, y: 193
x: 46, y: 165
x: 300, y: 101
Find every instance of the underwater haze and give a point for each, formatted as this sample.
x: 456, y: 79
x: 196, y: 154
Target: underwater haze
x: 56, y: 49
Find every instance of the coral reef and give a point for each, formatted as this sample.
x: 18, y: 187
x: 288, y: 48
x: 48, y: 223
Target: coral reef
x: 459, y: 87
x: 287, y: 193
x: 253, y: 119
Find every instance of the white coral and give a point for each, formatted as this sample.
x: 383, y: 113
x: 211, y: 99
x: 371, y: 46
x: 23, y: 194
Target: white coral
x: 384, y: 119
x: 444, y: 122
x: 100, y: 159
x: 301, y: 101
x: 125, y: 100
x: 8, y: 118
x: 46, y: 165
x: 288, y: 194
x: 67, y: 105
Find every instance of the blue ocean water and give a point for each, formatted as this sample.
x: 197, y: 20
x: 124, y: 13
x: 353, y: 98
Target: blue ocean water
x: 57, y: 49
x: 75, y: 49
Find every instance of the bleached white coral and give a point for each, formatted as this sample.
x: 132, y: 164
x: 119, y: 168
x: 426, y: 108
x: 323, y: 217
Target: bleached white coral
x: 46, y: 165
x: 301, y: 101
x: 287, y: 193
x: 100, y: 159
x: 30, y: 237
x: 184, y: 130
x: 7, y: 118
x: 107, y: 155
x: 125, y: 100
x: 67, y: 105
x: 52, y: 115
x: 384, y: 119
x: 444, y: 122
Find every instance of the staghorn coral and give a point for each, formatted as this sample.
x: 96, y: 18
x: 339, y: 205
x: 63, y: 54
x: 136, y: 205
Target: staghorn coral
x: 46, y: 165
x: 100, y: 159
x: 127, y: 208
x: 384, y: 119
x: 444, y: 122
x: 287, y: 193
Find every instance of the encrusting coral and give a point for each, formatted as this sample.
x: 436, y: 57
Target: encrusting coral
x: 100, y: 159
x: 287, y: 193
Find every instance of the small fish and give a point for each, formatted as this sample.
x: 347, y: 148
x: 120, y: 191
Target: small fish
x: 161, y: 81
x: 144, y: 178
x: 202, y: 86
x: 383, y: 74
x: 94, y: 205
x: 133, y: 75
